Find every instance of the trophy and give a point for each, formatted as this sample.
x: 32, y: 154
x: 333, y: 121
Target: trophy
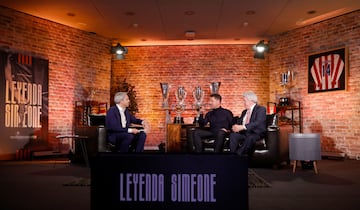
x: 165, y: 94
x: 214, y: 87
x: 180, y: 95
x: 286, y: 79
x: 198, y: 96
x: 180, y: 105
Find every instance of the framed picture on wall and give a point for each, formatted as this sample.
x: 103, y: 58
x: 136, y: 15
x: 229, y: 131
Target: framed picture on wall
x: 327, y: 71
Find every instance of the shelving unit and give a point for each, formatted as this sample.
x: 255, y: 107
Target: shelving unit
x: 84, y: 109
x: 89, y: 118
x: 289, y: 114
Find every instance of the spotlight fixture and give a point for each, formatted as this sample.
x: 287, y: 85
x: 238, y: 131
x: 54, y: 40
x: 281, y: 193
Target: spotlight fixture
x: 119, y: 51
x: 190, y: 35
x: 260, y: 48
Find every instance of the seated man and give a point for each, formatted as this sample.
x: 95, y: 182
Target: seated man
x: 250, y: 127
x: 220, y: 121
x: 117, y: 122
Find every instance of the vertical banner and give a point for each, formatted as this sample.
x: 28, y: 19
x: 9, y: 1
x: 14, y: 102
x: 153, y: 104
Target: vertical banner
x: 23, y: 100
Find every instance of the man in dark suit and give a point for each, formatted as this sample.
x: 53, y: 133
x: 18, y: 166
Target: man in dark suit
x: 250, y: 126
x: 119, y: 132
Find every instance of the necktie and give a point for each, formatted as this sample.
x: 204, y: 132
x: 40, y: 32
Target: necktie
x: 248, y: 115
x: 123, y: 118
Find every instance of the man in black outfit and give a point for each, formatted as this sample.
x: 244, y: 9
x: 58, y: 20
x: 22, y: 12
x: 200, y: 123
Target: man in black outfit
x: 219, y: 121
x: 250, y: 127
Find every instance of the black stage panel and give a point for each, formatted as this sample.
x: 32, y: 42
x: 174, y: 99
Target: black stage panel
x: 169, y: 181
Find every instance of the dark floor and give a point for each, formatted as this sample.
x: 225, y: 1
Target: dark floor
x: 336, y: 186
x: 39, y: 185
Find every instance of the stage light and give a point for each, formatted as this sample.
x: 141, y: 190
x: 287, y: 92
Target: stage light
x: 119, y: 51
x: 260, y: 49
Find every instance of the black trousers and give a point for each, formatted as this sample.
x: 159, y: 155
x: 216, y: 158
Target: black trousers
x: 128, y: 142
x: 200, y: 134
x: 242, y: 142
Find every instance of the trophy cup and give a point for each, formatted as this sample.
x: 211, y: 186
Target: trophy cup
x: 285, y: 81
x: 165, y: 94
x: 214, y: 87
x: 180, y: 105
x: 199, y: 97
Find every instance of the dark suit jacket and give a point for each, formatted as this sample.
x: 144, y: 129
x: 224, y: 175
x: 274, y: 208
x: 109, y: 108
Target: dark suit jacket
x: 257, y: 124
x: 113, y: 121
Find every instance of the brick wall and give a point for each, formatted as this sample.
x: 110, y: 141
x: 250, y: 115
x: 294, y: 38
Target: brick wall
x: 190, y: 66
x: 335, y: 114
x: 78, y: 61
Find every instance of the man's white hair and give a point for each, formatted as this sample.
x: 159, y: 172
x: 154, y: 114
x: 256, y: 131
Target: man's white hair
x: 119, y: 96
x: 251, y: 96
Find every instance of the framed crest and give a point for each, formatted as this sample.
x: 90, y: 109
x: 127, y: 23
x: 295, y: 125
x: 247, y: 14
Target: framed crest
x: 327, y: 71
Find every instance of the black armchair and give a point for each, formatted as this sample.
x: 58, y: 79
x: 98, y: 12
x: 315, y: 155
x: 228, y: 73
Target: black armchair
x: 273, y: 150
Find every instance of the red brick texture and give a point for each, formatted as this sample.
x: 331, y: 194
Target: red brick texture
x: 190, y: 66
x: 335, y: 114
x: 80, y: 61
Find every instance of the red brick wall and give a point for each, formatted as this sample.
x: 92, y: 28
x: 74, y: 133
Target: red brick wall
x: 78, y: 61
x: 335, y: 114
x: 190, y: 66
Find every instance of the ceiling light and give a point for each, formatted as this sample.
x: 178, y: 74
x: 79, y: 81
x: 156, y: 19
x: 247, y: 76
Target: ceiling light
x: 190, y: 35
x: 311, y: 12
x: 119, y: 51
x: 322, y: 17
x: 189, y: 12
x: 70, y: 14
x: 260, y: 48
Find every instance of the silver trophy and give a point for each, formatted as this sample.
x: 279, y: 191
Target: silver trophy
x: 199, y: 97
x: 180, y: 103
x: 214, y: 87
x: 180, y: 95
x: 165, y: 94
x: 285, y: 81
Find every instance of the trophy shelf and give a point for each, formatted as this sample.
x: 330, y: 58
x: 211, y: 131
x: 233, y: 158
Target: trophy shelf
x: 289, y: 114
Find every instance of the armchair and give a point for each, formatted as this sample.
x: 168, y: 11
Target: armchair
x: 274, y: 148
x: 270, y: 151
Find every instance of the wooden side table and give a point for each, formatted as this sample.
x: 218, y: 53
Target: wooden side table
x: 176, y: 139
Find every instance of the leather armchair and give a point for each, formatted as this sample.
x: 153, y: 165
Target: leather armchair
x: 273, y: 150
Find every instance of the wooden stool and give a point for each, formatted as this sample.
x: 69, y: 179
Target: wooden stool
x: 314, y: 164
